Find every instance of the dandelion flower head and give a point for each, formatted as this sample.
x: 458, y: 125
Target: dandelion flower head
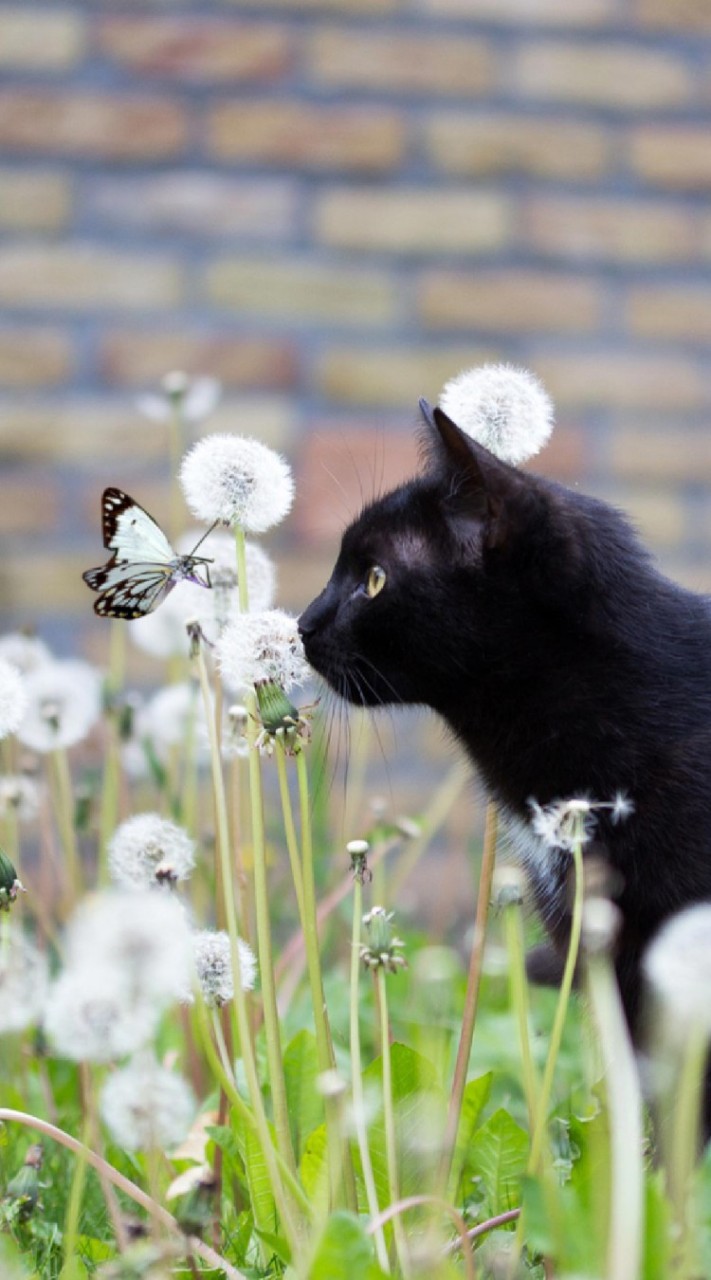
x: 24, y: 981
x: 194, y: 398
x: 678, y: 967
x: 501, y: 407
x: 145, y: 1106
x: 213, y: 965
x: 91, y: 1016
x: 140, y: 940
x: 148, y: 850
x: 24, y: 652
x: 14, y: 698
x: 64, y: 705
x: 237, y: 481
x: 262, y: 646
x: 20, y: 796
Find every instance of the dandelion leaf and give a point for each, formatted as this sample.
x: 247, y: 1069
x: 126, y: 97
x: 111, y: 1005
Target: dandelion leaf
x: 476, y: 1095
x: 305, y: 1104
x: 344, y: 1250
x: 498, y: 1155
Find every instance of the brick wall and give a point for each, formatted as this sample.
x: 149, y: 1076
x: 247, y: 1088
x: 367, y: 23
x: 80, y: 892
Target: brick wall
x: 332, y: 205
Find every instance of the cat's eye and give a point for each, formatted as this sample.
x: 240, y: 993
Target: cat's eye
x: 375, y: 581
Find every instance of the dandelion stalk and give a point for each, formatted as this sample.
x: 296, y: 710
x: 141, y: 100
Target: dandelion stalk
x: 290, y: 829
x: 466, y: 1035
x: 389, y: 1118
x: 64, y: 797
x: 518, y: 987
x: 359, y: 1117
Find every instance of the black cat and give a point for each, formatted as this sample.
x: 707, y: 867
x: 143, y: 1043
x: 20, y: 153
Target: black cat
x: 532, y: 621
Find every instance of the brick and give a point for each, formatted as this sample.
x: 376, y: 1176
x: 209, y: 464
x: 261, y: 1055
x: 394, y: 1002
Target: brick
x: 509, y: 300
x: 34, y: 200
x: 196, y: 203
x: 92, y: 124
x: 95, y: 432
x: 392, y: 62
x: 666, y: 454
x: 584, y: 13
x: 30, y: 505
x: 614, y: 379
x: 34, y: 357
x: 611, y: 74
x: 139, y: 357
x: 197, y: 49
x: 682, y: 15
x: 392, y: 376
x: 620, y: 230
x: 40, y: 40
x: 659, y: 515
x: 565, y: 456
x: 305, y: 136
x: 377, y: 8
x: 84, y: 277
x: 412, y: 220
x: 341, y: 465
x: 302, y: 290
x: 482, y: 145
x: 35, y: 585
x: 672, y: 311
x: 676, y: 156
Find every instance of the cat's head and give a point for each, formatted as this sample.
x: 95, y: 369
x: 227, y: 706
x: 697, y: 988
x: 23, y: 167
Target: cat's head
x: 448, y: 577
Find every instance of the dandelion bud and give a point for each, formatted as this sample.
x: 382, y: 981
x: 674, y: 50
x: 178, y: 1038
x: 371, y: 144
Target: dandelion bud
x: 358, y: 852
x: 9, y: 884
x: 382, y: 949
x: 503, y: 408
x: 280, y: 718
x: 145, y: 1106
x: 23, y: 1190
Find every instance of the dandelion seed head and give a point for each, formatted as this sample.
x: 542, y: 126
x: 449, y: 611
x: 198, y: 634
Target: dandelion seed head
x: 564, y: 823
x: 148, y: 850
x: 262, y: 646
x: 14, y: 698
x: 144, y: 1106
x: 64, y: 705
x: 238, y: 481
x: 196, y: 398
x: 213, y: 966
x: 91, y: 1016
x: 677, y: 965
x: 24, y: 652
x: 141, y: 940
x: 24, y: 981
x: 19, y: 796
x: 503, y: 408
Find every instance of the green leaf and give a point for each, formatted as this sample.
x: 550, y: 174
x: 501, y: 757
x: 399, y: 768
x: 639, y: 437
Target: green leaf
x: 419, y: 1106
x: 498, y: 1155
x: 476, y: 1095
x: 344, y: 1250
x: 259, y: 1185
x: 314, y: 1169
x: 305, y: 1103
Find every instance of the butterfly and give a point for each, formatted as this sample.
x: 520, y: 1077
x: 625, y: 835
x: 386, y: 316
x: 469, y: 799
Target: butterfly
x: 144, y: 568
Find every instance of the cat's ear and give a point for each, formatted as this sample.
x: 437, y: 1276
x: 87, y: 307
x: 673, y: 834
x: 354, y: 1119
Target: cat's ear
x: 480, y: 485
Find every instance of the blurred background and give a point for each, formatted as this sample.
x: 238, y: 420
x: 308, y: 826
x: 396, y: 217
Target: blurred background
x: 332, y: 206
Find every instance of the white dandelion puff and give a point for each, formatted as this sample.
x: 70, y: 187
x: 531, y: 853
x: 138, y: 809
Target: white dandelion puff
x: 64, y: 705
x: 19, y: 796
x: 262, y: 646
x: 564, y: 823
x: 92, y: 1017
x: 14, y: 698
x: 24, y: 652
x: 501, y: 407
x: 212, y: 957
x: 144, y: 1106
x: 237, y: 481
x: 194, y: 398
x: 24, y: 981
x: 148, y: 850
x: 142, y: 939
x: 677, y: 965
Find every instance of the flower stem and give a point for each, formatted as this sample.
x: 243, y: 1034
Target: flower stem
x: 518, y: 986
x: 62, y: 779
x: 290, y: 828
x: 389, y: 1119
x: 466, y: 1035
x: 361, y: 1127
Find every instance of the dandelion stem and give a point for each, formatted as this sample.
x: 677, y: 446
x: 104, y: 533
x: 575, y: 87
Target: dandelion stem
x: 62, y: 779
x: 389, y: 1118
x: 123, y: 1183
x: 466, y: 1035
x: 359, y: 1117
x: 289, y: 828
x: 71, y: 1222
x: 518, y: 986
x: 566, y: 987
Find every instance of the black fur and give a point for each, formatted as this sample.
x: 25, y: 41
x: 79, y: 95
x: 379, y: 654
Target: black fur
x: 530, y: 618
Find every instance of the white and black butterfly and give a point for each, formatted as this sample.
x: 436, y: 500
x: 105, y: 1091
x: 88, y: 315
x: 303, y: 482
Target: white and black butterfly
x: 144, y: 568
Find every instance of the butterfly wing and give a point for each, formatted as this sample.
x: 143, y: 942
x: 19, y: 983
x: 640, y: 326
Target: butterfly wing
x: 130, y: 532
x: 129, y: 590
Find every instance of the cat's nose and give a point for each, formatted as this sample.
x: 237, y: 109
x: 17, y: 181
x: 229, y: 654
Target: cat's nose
x: 307, y: 623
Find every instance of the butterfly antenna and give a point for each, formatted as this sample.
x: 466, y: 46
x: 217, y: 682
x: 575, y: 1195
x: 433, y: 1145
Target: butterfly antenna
x: 205, y: 535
